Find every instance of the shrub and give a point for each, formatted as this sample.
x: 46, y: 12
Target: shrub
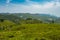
x: 11, y: 36
x: 1, y: 20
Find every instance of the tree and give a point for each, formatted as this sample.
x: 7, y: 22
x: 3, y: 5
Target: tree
x: 52, y: 21
x: 1, y: 20
x: 28, y: 18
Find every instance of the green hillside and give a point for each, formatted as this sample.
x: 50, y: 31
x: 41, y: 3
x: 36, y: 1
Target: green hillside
x: 11, y: 31
x: 14, y: 27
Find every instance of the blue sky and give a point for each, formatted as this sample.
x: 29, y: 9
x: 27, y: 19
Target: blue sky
x: 24, y: 1
x: 31, y: 6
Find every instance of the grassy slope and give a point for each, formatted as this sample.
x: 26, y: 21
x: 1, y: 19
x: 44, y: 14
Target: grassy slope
x: 30, y: 31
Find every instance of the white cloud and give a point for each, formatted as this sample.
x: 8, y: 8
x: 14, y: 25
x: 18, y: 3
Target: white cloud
x: 8, y: 1
x: 27, y: 0
x: 52, y: 8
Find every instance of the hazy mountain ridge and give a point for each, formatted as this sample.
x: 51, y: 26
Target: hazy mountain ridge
x: 18, y: 16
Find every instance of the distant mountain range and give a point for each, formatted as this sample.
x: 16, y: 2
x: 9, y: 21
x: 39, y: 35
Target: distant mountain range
x: 19, y: 16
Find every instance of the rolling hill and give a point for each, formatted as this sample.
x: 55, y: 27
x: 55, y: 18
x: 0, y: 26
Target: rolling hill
x: 23, y: 16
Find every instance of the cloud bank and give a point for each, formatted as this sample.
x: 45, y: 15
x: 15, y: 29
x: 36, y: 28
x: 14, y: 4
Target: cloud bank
x: 49, y: 7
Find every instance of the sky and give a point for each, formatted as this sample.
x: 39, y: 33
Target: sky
x: 51, y: 7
